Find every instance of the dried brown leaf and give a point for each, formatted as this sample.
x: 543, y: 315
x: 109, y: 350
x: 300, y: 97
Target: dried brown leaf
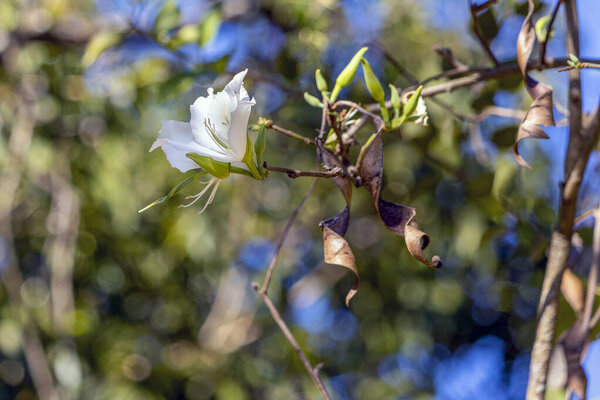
x: 573, y: 343
x: 398, y: 218
x: 337, y: 251
x: 572, y: 288
x: 335, y: 248
x: 330, y: 161
x: 540, y: 111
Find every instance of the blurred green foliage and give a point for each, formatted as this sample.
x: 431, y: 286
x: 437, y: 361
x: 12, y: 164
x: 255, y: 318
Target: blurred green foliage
x: 160, y: 303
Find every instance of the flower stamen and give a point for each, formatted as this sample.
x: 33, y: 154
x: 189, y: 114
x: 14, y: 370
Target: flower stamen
x: 198, y: 196
x: 211, y: 130
x: 211, y: 197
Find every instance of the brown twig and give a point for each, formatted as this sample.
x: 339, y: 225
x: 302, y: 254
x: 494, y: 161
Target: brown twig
x: 544, y: 44
x: 446, y: 54
x: 482, y: 6
x: 399, y: 67
x: 580, y: 66
x: 282, y: 238
x: 379, y: 123
x: 295, y: 173
x: 479, y: 74
x: 594, y: 320
x: 289, y: 133
x: 313, y: 372
x: 581, y: 142
x: 324, y: 114
x: 477, y: 30
x: 593, y: 275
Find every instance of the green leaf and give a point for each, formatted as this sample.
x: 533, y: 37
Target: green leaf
x: 210, y: 26
x: 97, y: 45
x: 347, y: 75
x: 249, y: 160
x: 218, y: 169
x: 398, y: 121
x: 187, y: 34
x: 488, y: 24
x: 395, y: 98
x: 541, y: 28
x: 260, y: 143
x: 175, y: 190
x: 573, y: 58
x: 167, y: 19
x: 312, y: 100
x: 373, y: 85
x: 332, y: 140
x: 321, y: 82
x: 411, y: 104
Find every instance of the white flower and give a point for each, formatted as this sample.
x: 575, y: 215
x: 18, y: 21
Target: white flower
x: 217, y: 129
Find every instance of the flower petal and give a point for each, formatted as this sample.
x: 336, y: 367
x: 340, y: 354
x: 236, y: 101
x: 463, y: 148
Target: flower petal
x: 176, y: 140
x: 235, y: 85
x: 238, y: 128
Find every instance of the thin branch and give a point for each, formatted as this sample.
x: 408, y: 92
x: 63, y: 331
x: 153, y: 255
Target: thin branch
x: 580, y: 66
x: 578, y: 151
x: 544, y: 44
x: 478, y: 32
x: 446, y: 54
x: 593, y: 275
x: 399, y: 67
x: 282, y: 238
x: 595, y: 318
x: 349, y: 135
x: 313, y: 372
x: 477, y: 74
x: 289, y: 133
x: 379, y: 123
x: 324, y: 114
x: 295, y: 173
x: 482, y: 6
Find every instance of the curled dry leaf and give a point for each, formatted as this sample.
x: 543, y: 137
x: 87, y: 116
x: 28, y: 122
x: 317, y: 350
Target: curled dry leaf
x: 540, y: 111
x: 574, y: 343
x: 572, y: 288
x: 335, y: 248
x: 398, y: 218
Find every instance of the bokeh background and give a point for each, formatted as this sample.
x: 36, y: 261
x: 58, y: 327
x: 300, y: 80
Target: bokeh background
x: 158, y: 305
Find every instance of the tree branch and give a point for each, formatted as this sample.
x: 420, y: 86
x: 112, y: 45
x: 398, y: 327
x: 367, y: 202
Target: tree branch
x: 477, y: 29
x: 295, y: 173
x: 313, y: 372
x: 578, y: 152
x: 544, y: 44
x: 289, y: 133
x: 282, y: 238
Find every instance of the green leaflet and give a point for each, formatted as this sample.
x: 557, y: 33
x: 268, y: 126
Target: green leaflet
x: 321, y: 82
x: 411, y: 104
x: 347, y: 75
x: 175, y: 190
x: 312, y: 100
x: 218, y: 169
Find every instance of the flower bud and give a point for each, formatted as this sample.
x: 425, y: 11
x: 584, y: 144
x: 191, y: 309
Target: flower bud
x: 347, y: 75
x: 411, y: 104
x: 373, y: 85
x: 395, y: 97
x: 320, y: 80
x: 312, y: 100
